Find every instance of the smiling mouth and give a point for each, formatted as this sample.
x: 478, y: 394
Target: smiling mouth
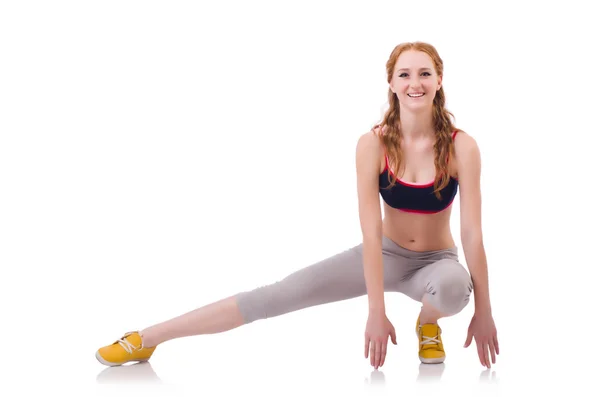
x: 416, y: 95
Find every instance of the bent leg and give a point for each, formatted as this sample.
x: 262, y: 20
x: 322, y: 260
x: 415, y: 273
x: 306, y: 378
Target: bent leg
x: 445, y: 284
x: 444, y: 287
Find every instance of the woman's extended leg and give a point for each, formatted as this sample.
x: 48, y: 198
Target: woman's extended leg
x: 333, y: 279
x: 336, y: 278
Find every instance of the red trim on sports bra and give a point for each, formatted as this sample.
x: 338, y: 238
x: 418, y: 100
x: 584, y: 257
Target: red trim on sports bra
x: 409, y: 184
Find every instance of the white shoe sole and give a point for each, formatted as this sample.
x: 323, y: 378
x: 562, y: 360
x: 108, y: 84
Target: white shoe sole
x: 109, y: 364
x: 432, y: 360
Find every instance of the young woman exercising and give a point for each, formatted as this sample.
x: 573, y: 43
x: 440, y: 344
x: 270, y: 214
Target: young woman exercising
x: 414, y: 159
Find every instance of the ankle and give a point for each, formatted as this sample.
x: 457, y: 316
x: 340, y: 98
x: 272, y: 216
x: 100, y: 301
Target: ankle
x: 425, y: 318
x: 146, y: 341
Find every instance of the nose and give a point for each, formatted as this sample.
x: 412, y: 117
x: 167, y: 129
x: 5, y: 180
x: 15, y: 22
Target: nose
x: 415, y: 83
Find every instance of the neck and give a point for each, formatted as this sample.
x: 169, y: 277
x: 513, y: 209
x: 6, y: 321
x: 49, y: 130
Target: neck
x: 416, y: 126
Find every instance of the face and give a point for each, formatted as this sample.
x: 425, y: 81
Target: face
x: 414, y: 74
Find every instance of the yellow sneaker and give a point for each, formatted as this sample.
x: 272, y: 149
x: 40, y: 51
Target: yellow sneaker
x: 431, y: 349
x: 128, y: 348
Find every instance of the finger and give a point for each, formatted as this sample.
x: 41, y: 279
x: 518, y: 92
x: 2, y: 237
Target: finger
x: 377, y: 354
x: 469, y: 338
x: 493, y: 351
x: 486, y: 353
x: 383, y: 353
x: 366, y: 346
x: 373, y: 353
x: 394, y: 336
x: 480, y: 353
x: 496, y: 344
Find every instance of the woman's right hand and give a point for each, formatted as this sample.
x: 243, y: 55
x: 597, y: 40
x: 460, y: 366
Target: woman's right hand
x: 378, y: 329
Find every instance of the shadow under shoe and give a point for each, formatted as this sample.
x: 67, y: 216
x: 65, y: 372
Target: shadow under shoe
x: 129, y: 374
x: 430, y: 372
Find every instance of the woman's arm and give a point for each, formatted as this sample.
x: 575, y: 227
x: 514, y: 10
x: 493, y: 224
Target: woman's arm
x: 378, y: 328
x: 482, y: 326
x: 469, y: 171
x: 368, y: 152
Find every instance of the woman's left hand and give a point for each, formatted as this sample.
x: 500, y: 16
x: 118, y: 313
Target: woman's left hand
x: 483, y: 329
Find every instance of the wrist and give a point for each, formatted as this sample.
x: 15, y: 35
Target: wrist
x: 377, y: 309
x: 483, y: 305
x: 483, y: 310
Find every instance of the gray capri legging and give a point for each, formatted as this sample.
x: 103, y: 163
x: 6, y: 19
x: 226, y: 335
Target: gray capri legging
x: 438, y: 275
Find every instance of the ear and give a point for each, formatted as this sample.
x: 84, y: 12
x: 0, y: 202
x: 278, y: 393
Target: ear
x: 391, y: 88
x: 439, y: 83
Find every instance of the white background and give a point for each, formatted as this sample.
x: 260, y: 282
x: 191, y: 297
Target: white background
x: 157, y: 156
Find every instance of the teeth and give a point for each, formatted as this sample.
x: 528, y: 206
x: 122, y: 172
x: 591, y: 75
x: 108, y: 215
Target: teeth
x: 415, y: 95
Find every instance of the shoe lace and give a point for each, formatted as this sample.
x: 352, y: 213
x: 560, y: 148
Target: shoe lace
x: 125, y: 344
x: 429, y: 340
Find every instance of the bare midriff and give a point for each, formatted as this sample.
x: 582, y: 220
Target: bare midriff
x: 418, y: 231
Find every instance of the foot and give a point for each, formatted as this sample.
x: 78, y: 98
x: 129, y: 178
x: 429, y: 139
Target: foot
x: 431, y: 349
x: 128, y: 348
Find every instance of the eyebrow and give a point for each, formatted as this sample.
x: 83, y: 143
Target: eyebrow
x: 409, y: 69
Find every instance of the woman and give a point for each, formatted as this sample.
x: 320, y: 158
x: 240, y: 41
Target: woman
x: 413, y: 159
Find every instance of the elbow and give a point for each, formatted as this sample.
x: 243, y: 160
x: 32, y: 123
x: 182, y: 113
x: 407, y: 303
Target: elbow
x: 471, y: 238
x: 374, y: 234
x: 374, y: 238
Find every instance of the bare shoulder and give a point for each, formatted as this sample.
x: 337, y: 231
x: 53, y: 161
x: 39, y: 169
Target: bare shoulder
x: 369, y: 149
x: 465, y: 145
x: 369, y: 140
x: 467, y: 154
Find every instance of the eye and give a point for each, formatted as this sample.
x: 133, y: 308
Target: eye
x: 403, y: 74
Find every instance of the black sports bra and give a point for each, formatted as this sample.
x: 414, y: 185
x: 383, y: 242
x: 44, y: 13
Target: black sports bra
x: 417, y: 198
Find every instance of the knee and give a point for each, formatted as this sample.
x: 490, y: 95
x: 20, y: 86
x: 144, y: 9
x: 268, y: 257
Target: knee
x: 254, y: 304
x: 271, y: 300
x: 452, y: 291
